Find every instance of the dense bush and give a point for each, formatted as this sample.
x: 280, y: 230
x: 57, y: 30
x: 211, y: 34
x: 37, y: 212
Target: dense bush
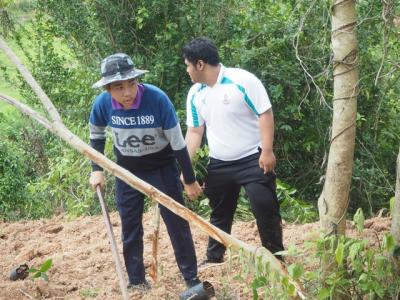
x: 12, y: 181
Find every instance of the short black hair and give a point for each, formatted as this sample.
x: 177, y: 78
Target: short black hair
x: 201, y: 48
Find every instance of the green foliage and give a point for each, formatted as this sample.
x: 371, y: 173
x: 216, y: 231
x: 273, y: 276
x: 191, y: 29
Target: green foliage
x: 12, y: 180
x: 42, y: 271
x: 293, y: 209
x: 359, y: 219
x: 259, y: 281
x: 361, y: 271
x: 60, y: 184
x: 89, y: 293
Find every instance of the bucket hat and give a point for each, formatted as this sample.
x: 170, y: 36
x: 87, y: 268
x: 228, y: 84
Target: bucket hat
x: 117, y: 67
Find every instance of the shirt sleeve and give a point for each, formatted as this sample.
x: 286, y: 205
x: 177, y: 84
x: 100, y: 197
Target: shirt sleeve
x: 193, y: 117
x: 97, y: 130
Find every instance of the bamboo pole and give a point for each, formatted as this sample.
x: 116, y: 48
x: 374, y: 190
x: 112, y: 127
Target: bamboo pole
x: 58, y: 128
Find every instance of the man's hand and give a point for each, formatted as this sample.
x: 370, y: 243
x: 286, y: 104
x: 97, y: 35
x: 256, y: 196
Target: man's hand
x: 193, y: 190
x: 267, y: 160
x: 97, y: 178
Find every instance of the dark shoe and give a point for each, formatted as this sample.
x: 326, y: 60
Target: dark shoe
x: 19, y: 272
x: 209, y: 262
x: 141, y: 287
x: 192, y: 282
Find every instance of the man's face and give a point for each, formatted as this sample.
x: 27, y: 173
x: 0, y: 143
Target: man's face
x: 194, y: 71
x: 124, y: 92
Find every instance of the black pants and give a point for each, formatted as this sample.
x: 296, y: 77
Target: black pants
x: 130, y: 204
x: 222, y: 187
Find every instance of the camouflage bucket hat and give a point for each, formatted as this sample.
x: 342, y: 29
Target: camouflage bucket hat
x: 117, y: 67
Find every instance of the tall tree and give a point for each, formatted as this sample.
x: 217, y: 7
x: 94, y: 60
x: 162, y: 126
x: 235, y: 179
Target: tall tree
x: 396, y: 207
x: 333, y: 202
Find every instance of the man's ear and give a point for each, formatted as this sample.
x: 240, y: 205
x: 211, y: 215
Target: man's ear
x: 200, y: 65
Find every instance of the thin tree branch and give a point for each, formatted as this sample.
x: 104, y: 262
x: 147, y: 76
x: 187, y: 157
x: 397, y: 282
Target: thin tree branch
x: 31, y: 81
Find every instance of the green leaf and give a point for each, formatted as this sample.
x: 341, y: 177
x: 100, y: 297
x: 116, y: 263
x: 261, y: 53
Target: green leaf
x: 359, y: 219
x: 391, y: 205
x: 295, y: 271
x: 354, y: 250
x: 46, y: 265
x: 324, y: 293
x: 339, y: 253
x: 285, y: 281
x: 32, y: 270
x: 291, y: 290
x: 363, y: 277
x: 44, y: 277
x: 388, y: 243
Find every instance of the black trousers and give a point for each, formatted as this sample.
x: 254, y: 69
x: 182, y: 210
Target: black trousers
x: 222, y: 187
x: 130, y: 204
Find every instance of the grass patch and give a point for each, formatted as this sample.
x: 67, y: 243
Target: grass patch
x: 21, y: 13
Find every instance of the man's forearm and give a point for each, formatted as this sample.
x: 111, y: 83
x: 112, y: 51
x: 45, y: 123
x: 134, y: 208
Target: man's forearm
x: 193, y: 139
x: 266, y: 122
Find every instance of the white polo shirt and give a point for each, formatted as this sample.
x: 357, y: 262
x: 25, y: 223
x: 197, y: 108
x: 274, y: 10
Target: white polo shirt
x: 230, y: 111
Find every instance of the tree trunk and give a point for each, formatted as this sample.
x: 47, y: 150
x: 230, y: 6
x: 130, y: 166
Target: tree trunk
x: 396, y: 207
x: 333, y: 202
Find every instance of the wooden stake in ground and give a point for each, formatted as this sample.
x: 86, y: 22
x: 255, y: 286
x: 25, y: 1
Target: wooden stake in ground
x: 58, y: 128
x: 154, y: 248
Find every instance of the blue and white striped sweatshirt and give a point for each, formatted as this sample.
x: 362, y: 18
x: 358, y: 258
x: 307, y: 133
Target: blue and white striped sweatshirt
x: 145, y: 137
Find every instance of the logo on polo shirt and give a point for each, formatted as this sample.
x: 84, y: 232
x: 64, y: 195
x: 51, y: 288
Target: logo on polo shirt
x: 226, y: 99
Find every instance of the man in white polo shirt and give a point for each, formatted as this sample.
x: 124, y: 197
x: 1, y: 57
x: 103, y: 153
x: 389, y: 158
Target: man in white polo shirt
x: 233, y: 106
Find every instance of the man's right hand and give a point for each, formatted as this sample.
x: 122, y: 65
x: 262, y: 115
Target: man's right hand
x: 193, y: 190
x: 97, y: 179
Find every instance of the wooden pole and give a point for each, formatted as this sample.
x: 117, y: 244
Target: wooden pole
x: 114, y: 248
x: 154, y: 248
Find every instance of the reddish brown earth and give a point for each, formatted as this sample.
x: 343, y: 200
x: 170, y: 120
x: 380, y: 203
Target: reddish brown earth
x: 83, y: 267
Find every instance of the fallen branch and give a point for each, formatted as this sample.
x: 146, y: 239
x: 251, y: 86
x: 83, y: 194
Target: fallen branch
x: 58, y: 128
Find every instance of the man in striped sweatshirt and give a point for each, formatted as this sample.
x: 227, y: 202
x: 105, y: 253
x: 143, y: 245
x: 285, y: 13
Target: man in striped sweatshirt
x: 147, y: 141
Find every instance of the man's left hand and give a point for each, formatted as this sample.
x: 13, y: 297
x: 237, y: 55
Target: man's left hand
x: 267, y: 161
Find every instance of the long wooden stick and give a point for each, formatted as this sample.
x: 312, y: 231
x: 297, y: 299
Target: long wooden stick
x: 114, y: 248
x: 154, y: 248
x: 58, y: 128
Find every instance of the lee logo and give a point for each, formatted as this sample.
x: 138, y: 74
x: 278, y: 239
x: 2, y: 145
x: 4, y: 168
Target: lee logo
x: 135, y: 141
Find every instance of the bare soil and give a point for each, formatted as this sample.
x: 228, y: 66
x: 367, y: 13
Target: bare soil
x: 83, y: 267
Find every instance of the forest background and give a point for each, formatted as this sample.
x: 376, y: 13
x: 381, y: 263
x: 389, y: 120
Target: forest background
x: 286, y: 44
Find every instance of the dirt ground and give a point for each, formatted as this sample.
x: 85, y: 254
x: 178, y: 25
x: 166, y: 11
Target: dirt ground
x: 83, y: 267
